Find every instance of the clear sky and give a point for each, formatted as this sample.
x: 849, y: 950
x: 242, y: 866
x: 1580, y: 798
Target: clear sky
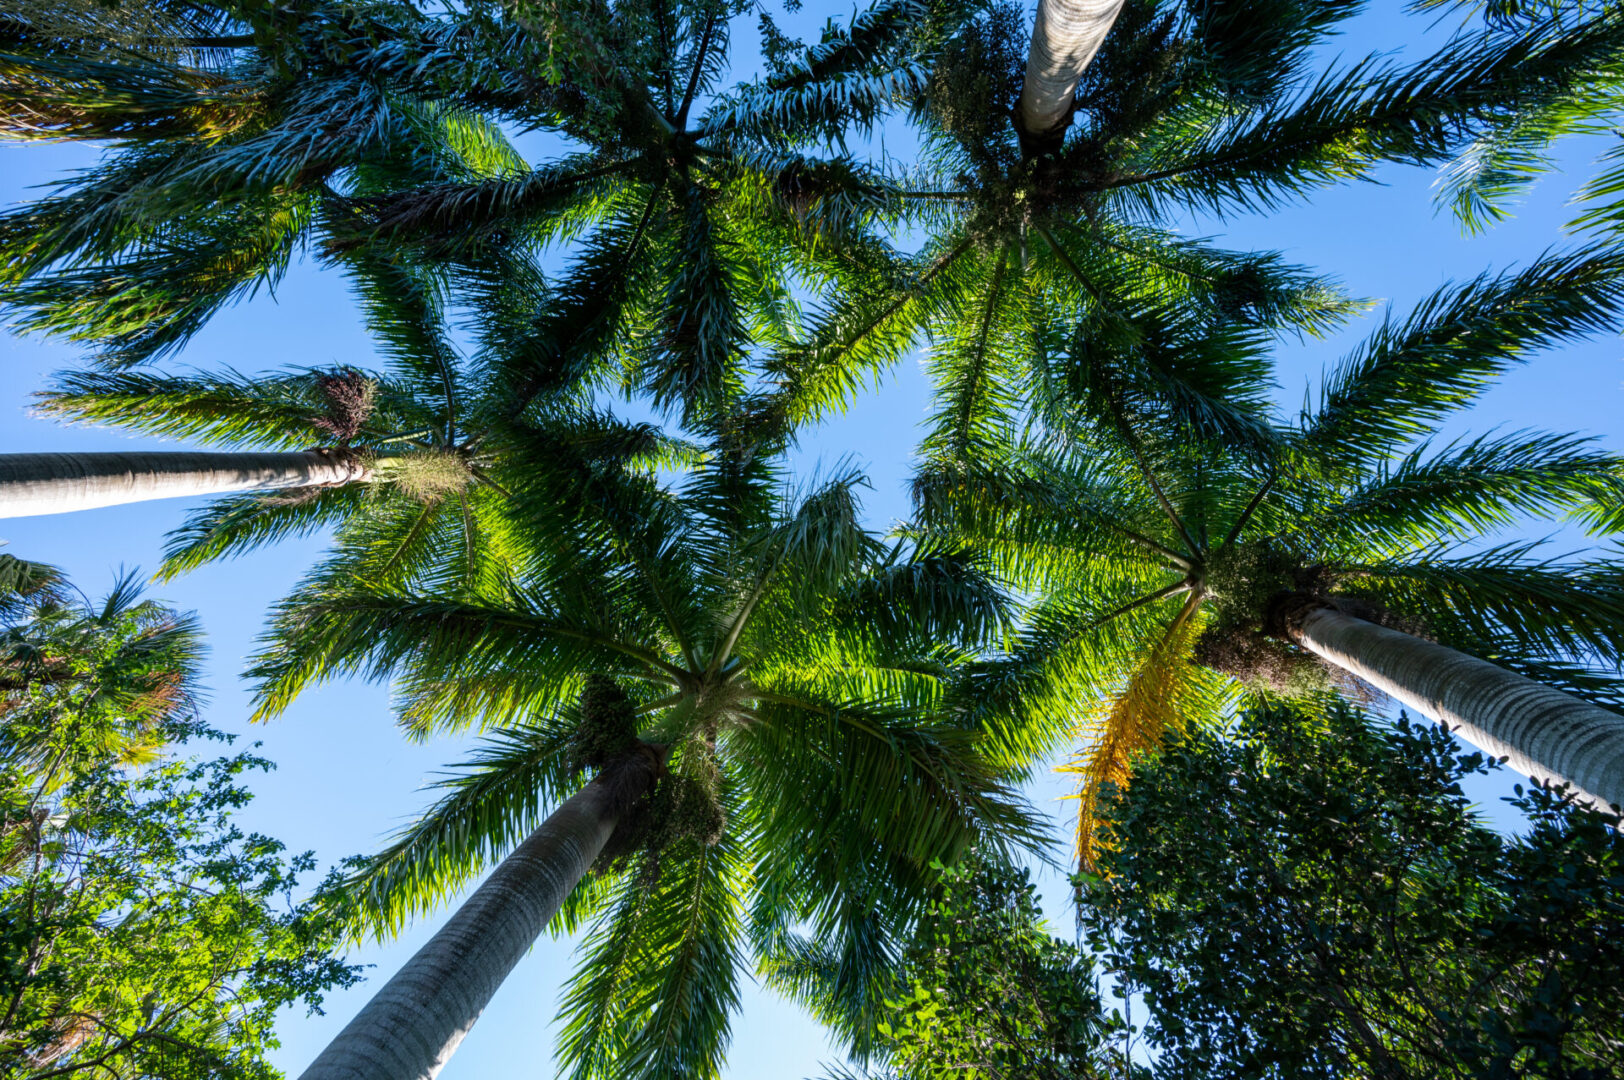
x: 347, y: 778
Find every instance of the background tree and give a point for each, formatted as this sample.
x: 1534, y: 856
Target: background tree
x: 1177, y: 530
x: 144, y: 934
x: 985, y: 993
x: 1337, y: 909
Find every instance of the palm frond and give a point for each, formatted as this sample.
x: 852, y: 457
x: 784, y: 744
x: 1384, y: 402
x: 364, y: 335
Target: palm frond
x: 490, y: 804
x: 371, y: 635
x: 1572, y: 610
x: 1462, y: 490
x: 264, y: 411
x: 1159, y: 698
x: 1411, y: 373
x: 241, y: 523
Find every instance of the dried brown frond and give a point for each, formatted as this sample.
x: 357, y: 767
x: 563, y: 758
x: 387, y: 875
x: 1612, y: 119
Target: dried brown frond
x: 1121, y: 728
x: 70, y: 1032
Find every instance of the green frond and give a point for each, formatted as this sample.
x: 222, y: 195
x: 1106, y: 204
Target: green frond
x: 655, y: 989
x: 850, y: 79
x: 61, y: 97
x: 843, y: 978
x: 323, y: 637
x: 147, y: 304
x: 701, y: 329
x: 490, y: 804
x: 1461, y: 491
x: 861, y: 333
x: 1565, y: 610
x: 1604, y: 194
x: 453, y: 217
x: 1349, y: 122
x: 1411, y: 373
x: 238, y: 524
x: 23, y: 582
x: 932, y: 597
x: 263, y: 411
x: 580, y: 331
x: 688, y: 984
x: 859, y: 780
x: 975, y: 362
x: 1253, y: 50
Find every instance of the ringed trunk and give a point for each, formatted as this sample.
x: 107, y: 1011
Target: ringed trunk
x: 58, y: 483
x: 411, y: 1027
x: 1545, y: 733
x: 1065, y: 37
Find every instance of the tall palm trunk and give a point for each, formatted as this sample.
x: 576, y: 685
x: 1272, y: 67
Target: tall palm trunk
x: 1545, y: 733
x: 1065, y: 37
x: 411, y: 1027
x: 57, y: 483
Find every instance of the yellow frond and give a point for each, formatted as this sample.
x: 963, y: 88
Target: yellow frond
x: 1122, y: 727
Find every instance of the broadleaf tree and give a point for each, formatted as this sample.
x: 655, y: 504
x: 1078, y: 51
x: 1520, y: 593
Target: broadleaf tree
x: 1338, y: 908
x: 145, y: 934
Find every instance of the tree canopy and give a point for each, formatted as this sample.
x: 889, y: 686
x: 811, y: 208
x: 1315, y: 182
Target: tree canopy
x: 1309, y: 894
x: 612, y: 276
x: 145, y: 934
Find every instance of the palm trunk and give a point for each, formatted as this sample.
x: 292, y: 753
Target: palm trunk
x: 57, y: 483
x: 411, y: 1027
x: 1065, y: 37
x: 1545, y: 734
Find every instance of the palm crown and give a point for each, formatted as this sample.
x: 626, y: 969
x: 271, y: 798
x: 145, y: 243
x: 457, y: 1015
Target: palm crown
x: 1166, y: 534
x: 1205, y: 108
x: 799, y: 676
x: 698, y: 213
x: 85, y: 684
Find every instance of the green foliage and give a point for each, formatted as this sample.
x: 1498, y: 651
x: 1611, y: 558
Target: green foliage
x: 799, y: 676
x: 145, y: 935
x: 1144, y: 490
x: 89, y: 684
x: 986, y: 992
x: 1336, y: 909
x: 1510, y: 154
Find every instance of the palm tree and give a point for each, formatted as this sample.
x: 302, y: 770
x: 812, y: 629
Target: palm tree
x: 692, y: 236
x: 23, y: 582
x: 697, y: 212
x: 775, y: 674
x: 1065, y: 36
x: 407, y: 471
x: 1208, y: 108
x: 1187, y: 548
x: 145, y: 304
x: 84, y: 683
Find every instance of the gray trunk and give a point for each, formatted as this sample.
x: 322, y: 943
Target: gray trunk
x: 1065, y: 36
x: 411, y: 1027
x: 1546, y: 734
x: 57, y: 483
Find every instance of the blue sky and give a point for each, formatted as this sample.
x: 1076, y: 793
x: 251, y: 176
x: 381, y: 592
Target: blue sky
x: 347, y: 778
